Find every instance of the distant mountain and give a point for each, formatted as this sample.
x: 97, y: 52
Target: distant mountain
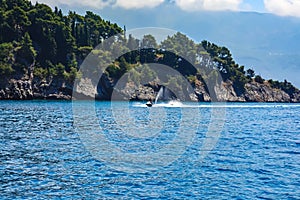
x: 267, y: 43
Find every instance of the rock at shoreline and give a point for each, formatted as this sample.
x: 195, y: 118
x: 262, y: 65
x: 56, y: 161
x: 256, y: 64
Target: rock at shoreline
x: 17, y: 90
x: 256, y: 92
x: 58, y: 89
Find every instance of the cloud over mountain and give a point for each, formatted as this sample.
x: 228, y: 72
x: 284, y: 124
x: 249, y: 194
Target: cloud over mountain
x: 194, y: 5
x: 138, y: 3
x: 277, y: 7
x: 283, y: 7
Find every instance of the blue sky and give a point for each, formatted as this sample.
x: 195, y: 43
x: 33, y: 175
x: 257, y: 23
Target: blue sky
x: 254, y: 5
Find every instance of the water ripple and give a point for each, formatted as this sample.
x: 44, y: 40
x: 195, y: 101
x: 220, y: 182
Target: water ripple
x: 42, y: 157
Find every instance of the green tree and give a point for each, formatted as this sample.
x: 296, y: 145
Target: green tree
x: 250, y: 73
x: 18, y: 22
x: 182, y: 46
x: 133, y: 43
x: 6, y: 59
x: 259, y: 79
x: 58, y: 71
x: 149, y: 41
x: 26, y: 51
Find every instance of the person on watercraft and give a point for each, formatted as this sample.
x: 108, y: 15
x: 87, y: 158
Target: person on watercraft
x: 149, y: 103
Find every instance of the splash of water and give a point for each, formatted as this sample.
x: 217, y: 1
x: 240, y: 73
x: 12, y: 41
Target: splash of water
x: 159, y: 94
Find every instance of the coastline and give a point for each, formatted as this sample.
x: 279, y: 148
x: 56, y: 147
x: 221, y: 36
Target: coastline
x: 61, y: 90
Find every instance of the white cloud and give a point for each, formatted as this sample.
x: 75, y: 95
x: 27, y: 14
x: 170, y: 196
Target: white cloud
x: 188, y: 5
x: 283, y: 7
x: 128, y: 4
x: 214, y: 5
x: 279, y: 7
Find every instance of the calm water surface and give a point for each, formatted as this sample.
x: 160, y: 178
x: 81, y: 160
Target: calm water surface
x: 256, y: 157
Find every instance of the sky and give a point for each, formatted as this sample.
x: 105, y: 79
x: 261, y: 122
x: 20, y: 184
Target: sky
x: 277, y: 7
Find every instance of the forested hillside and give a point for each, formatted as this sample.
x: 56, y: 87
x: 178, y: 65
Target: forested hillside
x: 41, y: 50
x: 54, y: 42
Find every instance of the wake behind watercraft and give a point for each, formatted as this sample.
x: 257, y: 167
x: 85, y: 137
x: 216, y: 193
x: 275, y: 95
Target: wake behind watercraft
x: 163, y: 94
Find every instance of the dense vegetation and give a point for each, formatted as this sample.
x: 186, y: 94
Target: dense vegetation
x: 54, y: 45
x: 54, y: 42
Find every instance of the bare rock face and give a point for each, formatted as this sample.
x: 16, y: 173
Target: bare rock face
x: 59, y: 96
x: 85, y: 89
x: 145, y: 93
x: 104, y: 88
x: 256, y: 92
x: 29, y: 87
x: 26, y: 90
x: 226, y: 92
x: 296, y: 97
x: 200, y: 92
x: 24, y: 86
x: 17, y: 90
x: 133, y: 92
x: 52, y: 89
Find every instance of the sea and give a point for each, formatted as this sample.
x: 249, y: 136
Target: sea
x: 126, y: 150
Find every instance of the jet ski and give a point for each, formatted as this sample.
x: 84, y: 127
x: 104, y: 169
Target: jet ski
x: 149, y: 103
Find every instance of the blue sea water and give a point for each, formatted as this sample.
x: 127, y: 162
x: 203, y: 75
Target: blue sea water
x: 43, y: 155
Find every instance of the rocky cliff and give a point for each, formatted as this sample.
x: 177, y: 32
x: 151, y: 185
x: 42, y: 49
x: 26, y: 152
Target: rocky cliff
x: 29, y: 89
x: 253, y: 92
x: 24, y: 86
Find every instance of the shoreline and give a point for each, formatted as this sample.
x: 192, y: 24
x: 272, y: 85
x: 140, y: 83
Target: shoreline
x: 142, y: 101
